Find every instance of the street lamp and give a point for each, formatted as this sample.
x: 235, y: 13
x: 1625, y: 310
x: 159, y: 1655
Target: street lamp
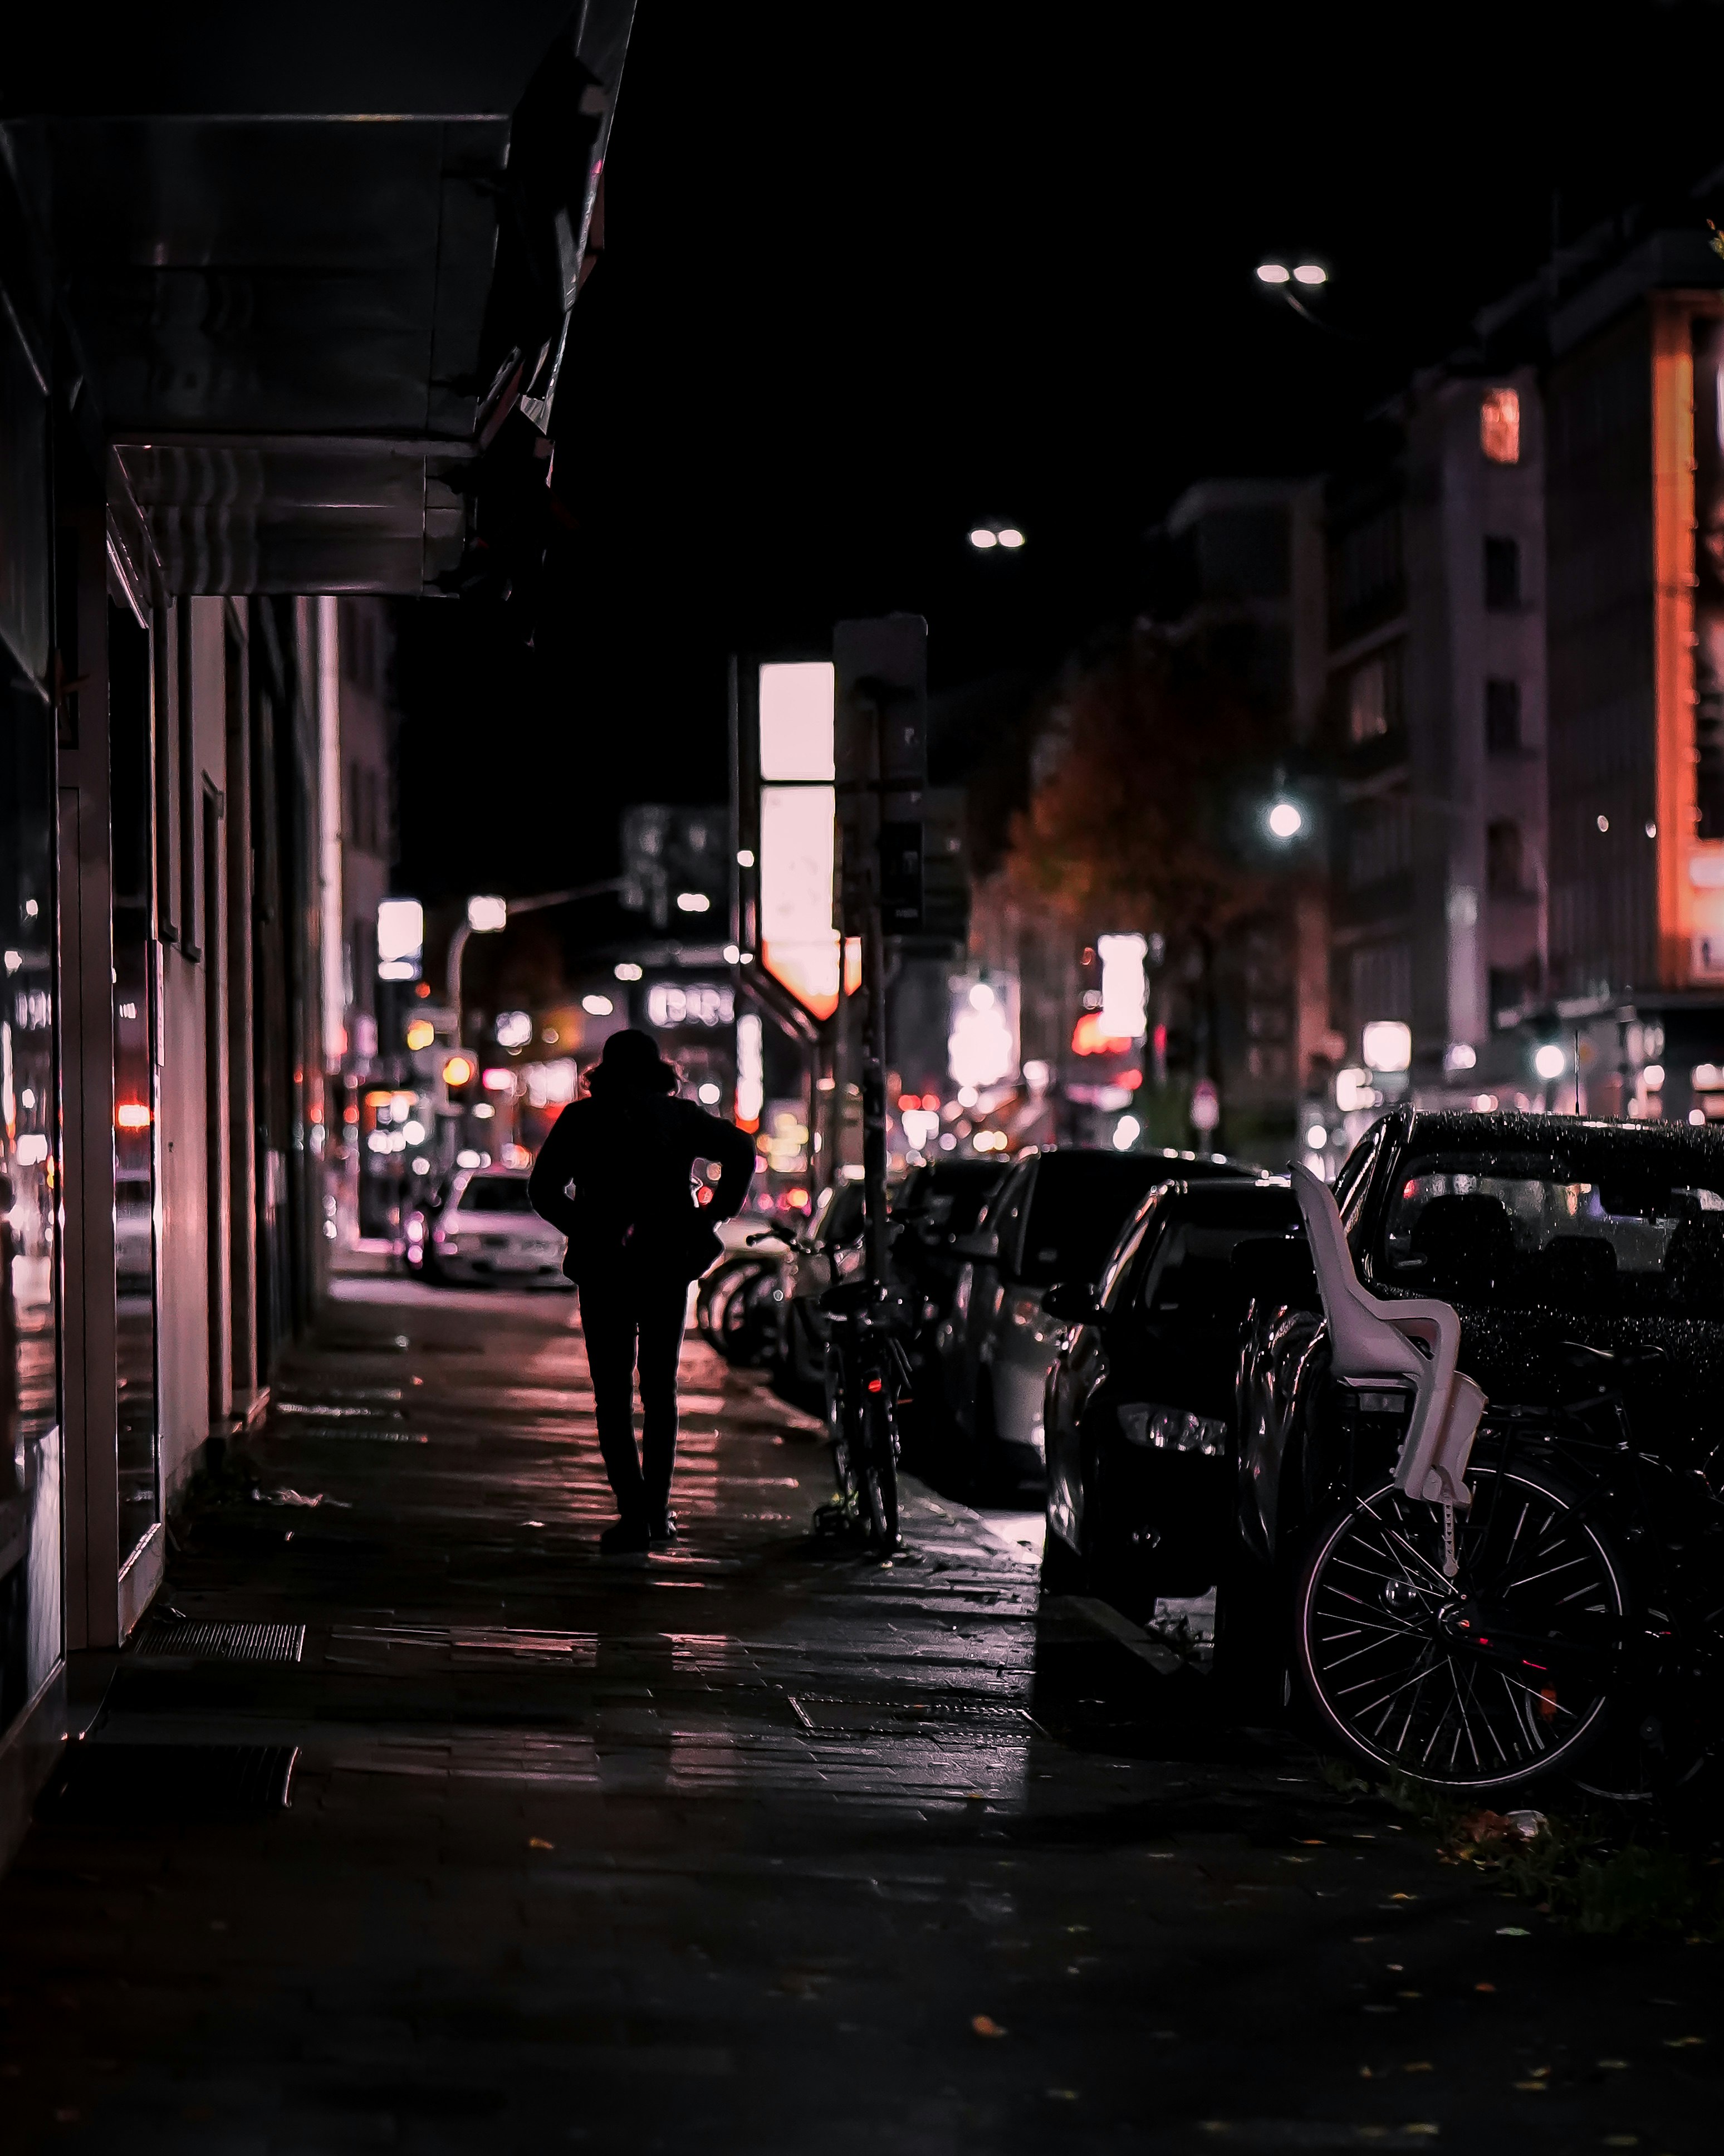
x: 1285, y: 280
x: 1277, y: 274
x: 985, y: 537
x: 485, y: 916
x: 1286, y: 819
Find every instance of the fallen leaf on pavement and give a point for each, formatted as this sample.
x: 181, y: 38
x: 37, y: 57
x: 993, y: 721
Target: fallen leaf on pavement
x: 537, y: 1841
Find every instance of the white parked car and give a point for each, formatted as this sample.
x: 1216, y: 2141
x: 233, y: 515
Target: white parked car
x: 487, y: 1233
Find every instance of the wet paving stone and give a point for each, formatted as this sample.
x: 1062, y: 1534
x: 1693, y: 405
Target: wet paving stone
x: 756, y: 1843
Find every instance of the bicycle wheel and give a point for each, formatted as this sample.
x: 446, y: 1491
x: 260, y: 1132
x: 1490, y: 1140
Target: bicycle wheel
x: 1476, y: 1682
x: 879, y: 1472
x: 711, y: 1300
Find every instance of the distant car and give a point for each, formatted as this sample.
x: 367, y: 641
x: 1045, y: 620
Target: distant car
x: 1056, y: 1217
x: 827, y: 1249
x: 487, y: 1233
x: 1140, y: 1474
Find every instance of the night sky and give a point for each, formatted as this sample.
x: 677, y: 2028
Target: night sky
x: 874, y: 274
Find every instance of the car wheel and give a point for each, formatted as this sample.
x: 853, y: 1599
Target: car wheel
x: 1063, y: 1570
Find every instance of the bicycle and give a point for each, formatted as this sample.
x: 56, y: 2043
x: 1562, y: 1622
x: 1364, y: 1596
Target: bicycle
x: 1583, y: 1599
x: 867, y: 1381
x: 736, y: 1309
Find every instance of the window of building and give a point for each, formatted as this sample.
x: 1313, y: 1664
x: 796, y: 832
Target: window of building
x: 1379, y: 840
x: 1505, y: 859
x: 1502, y: 717
x: 1500, y: 426
x: 1502, y: 574
x: 1510, y: 990
x: 1368, y: 701
x: 1381, y: 983
x: 1366, y: 569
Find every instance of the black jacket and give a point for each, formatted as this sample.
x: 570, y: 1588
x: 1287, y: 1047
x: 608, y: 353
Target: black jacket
x: 631, y: 1162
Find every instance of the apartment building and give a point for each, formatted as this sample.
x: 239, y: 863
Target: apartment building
x: 1437, y: 720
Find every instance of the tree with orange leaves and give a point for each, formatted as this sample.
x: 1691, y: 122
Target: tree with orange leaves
x: 1150, y: 819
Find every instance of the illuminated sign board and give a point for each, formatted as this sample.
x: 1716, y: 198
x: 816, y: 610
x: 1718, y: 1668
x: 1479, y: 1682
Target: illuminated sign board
x: 799, y: 943
x: 669, y: 1003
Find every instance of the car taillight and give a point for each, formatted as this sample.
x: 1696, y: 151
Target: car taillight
x: 875, y: 1384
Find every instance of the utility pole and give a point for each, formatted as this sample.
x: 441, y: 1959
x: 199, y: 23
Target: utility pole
x: 880, y: 768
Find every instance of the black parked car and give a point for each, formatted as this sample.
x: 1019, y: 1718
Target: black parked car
x: 933, y: 1208
x: 1586, y: 1262
x: 1056, y: 1217
x: 1140, y: 1402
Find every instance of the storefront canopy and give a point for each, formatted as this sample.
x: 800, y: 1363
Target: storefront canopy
x: 306, y: 271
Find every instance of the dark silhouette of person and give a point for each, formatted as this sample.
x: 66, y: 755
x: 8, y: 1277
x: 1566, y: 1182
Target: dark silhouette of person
x: 636, y: 1239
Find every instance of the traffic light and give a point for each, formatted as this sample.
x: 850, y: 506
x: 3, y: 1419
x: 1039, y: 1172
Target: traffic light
x: 880, y: 756
x: 675, y: 866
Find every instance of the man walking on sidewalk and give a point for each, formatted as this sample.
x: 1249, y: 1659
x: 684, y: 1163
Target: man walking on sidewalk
x: 636, y: 1239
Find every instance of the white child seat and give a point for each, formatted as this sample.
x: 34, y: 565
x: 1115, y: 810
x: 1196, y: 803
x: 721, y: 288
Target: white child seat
x: 1413, y: 1341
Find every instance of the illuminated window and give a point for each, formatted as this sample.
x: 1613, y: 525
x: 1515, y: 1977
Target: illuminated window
x: 1500, y: 426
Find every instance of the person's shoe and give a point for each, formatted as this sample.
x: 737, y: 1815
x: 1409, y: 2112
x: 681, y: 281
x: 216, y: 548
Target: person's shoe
x: 625, y: 1538
x: 663, y: 1528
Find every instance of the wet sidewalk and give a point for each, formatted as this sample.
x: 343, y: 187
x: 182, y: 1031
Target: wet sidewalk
x: 751, y: 1845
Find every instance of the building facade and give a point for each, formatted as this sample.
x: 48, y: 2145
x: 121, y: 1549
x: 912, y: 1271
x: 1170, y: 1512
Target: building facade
x: 205, y: 439
x: 1437, y: 718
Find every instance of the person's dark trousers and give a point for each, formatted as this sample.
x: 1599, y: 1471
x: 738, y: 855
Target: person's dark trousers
x: 621, y: 1318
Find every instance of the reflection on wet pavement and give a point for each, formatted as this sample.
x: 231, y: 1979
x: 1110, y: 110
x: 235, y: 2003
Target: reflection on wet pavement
x: 752, y: 1841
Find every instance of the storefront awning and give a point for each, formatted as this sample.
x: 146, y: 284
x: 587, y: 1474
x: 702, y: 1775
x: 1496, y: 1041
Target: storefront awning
x: 289, y: 318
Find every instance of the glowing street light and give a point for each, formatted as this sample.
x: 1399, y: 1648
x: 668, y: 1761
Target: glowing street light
x: 1286, y: 819
x: 1550, y: 1062
x: 985, y: 537
x: 1311, y: 275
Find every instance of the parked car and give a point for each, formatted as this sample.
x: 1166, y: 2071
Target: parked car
x: 1140, y: 1398
x: 933, y: 1208
x: 1056, y: 1217
x: 487, y: 1233
x: 827, y: 1249
x: 1567, y: 1248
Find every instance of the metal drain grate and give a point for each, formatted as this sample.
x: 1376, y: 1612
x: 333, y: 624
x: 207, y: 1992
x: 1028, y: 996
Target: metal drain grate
x: 885, y: 1717
x: 103, y: 1781
x: 227, y: 1643
x: 349, y: 1433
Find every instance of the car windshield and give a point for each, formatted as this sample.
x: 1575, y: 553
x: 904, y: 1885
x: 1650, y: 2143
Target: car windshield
x: 1080, y: 1201
x: 949, y: 1199
x: 496, y: 1194
x: 1612, y: 1231
x: 1190, y: 1275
